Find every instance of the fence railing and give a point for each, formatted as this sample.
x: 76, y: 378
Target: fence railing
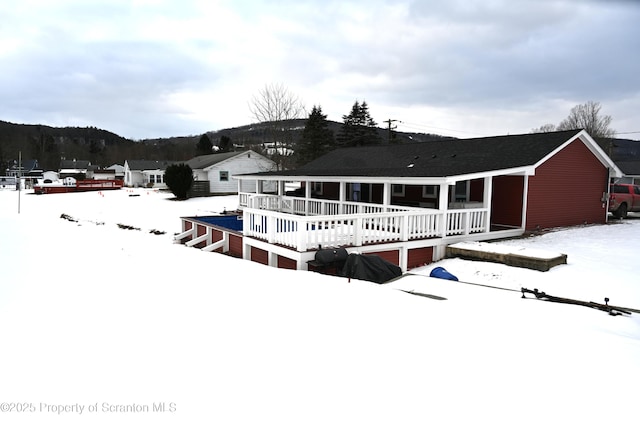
x: 308, y: 224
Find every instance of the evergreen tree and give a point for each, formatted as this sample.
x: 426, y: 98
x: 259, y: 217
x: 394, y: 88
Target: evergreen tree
x: 179, y: 179
x: 204, y: 146
x: 358, y: 128
x: 317, y: 138
x: 225, y: 145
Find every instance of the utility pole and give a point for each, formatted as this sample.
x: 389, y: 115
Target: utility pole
x: 391, y: 128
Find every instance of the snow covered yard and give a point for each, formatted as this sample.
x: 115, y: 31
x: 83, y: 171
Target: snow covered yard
x: 111, y: 322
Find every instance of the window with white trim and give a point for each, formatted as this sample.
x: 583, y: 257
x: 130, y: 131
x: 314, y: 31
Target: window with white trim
x: 397, y: 189
x: 429, y: 191
x: 224, y: 175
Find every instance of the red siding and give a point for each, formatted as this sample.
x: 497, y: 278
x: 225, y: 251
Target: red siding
x: 506, y: 204
x: 235, y: 245
x: 476, y: 190
x: 284, y: 262
x: 567, y: 190
x: 186, y: 225
x: 216, y: 236
x: 419, y: 256
x: 391, y: 256
x: 201, y: 231
x: 260, y: 256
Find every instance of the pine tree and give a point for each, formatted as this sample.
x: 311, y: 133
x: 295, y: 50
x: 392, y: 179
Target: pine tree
x: 359, y: 128
x: 204, y: 146
x: 317, y: 138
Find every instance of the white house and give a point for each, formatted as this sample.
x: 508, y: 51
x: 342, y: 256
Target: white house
x: 145, y: 173
x: 218, y: 170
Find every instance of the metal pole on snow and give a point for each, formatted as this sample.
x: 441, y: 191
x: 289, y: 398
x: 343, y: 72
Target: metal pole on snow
x: 19, y: 177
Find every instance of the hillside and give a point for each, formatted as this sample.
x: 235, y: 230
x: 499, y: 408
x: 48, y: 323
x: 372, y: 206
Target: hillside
x: 103, y: 148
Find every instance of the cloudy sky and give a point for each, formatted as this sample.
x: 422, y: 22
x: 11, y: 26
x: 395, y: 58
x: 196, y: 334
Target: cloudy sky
x: 465, y: 68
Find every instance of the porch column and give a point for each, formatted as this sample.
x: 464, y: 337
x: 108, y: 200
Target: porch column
x: 486, y: 201
x: 443, y: 206
x: 307, y: 196
x: 280, y: 187
x: 525, y: 196
x: 386, y: 194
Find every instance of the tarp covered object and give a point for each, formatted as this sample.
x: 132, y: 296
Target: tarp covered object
x: 371, y: 268
x: 329, y: 256
x: 441, y: 273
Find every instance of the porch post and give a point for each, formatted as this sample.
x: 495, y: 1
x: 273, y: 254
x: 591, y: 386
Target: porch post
x: 386, y: 193
x: 443, y: 206
x: 525, y: 196
x: 486, y: 201
x: 342, y: 198
x: 307, y: 196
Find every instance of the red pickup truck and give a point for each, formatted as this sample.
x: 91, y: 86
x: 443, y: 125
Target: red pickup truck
x: 624, y: 198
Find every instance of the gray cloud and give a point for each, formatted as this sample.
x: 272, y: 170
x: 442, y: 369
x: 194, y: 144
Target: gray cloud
x: 165, y: 68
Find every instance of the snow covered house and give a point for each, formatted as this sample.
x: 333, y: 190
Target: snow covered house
x: 145, y: 173
x: 408, y: 202
x: 79, y: 169
x: 219, y: 169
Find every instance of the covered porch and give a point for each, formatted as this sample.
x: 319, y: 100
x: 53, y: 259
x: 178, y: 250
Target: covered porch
x: 369, y: 215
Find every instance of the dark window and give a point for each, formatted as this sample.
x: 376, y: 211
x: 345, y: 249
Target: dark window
x: 621, y: 189
x: 636, y: 189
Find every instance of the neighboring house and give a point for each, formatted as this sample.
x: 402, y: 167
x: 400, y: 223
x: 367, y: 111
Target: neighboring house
x: 79, y: 169
x: 631, y: 171
x: 219, y: 169
x: 118, y: 170
x: 28, y: 167
x: 408, y: 202
x: 145, y: 173
x: 104, y: 174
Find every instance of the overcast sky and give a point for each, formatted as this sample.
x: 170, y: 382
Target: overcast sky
x: 464, y: 68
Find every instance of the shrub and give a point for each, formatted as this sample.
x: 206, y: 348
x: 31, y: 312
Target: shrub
x: 179, y: 178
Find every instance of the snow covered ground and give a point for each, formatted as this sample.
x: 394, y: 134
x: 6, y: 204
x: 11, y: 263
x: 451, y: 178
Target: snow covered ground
x: 102, y: 324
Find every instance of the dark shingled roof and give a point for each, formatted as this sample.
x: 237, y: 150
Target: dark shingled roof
x: 142, y: 165
x: 631, y: 168
x: 205, y: 161
x: 449, y: 157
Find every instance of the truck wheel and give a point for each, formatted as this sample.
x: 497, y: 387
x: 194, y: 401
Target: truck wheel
x: 621, y: 212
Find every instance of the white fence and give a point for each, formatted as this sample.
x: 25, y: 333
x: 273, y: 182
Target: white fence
x: 304, y: 224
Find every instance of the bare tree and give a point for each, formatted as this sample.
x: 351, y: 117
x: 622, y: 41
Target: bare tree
x: 273, y: 105
x: 549, y: 127
x: 587, y: 116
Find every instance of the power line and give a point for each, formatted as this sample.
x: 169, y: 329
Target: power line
x: 626, y: 133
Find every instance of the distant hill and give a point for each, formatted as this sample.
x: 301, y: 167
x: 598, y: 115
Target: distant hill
x: 103, y: 148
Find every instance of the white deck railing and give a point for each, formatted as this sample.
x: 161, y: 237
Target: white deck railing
x: 304, y: 224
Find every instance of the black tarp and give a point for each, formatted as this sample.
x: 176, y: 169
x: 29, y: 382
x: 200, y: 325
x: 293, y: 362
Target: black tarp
x: 371, y: 268
x: 331, y: 256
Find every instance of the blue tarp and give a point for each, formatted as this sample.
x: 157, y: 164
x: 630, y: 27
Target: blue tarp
x: 441, y: 273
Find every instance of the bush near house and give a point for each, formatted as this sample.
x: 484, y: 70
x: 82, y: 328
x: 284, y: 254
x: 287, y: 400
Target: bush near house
x: 179, y: 179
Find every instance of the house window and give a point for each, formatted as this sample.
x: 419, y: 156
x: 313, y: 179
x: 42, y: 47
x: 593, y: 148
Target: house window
x: 224, y: 175
x: 316, y: 188
x: 397, y: 189
x: 461, y: 191
x: 152, y: 179
x: 159, y: 179
x: 428, y: 191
